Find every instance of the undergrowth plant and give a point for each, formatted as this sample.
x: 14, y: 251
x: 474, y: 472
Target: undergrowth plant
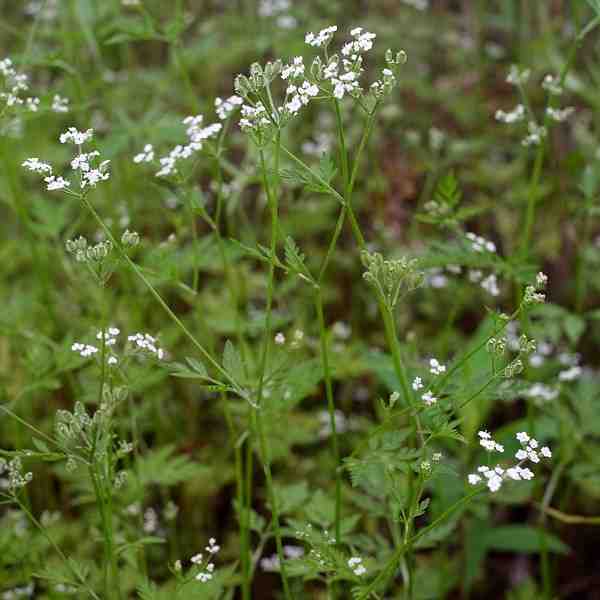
x: 253, y: 432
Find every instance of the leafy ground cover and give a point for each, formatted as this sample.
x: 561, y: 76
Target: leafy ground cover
x: 300, y: 299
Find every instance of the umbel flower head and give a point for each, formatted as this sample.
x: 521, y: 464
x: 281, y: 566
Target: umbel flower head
x: 494, y: 477
x: 90, y: 170
x: 391, y: 278
x: 330, y: 76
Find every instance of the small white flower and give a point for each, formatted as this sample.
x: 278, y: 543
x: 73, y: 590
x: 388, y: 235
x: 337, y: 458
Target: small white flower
x: 56, y: 183
x: 146, y: 156
x: 570, y: 374
x: 546, y: 452
x: 34, y: 164
x: 280, y: 339
x: 474, y: 479
x: 74, y: 136
x: 429, y: 398
x: 417, y: 384
x: 523, y: 437
x: 60, y: 104
x: 435, y: 367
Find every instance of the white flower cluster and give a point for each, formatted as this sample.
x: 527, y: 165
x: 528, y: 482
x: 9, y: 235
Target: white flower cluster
x: 417, y: 4
x: 479, y: 243
x: 552, y: 85
x: 196, y: 134
x: 271, y: 564
x: 571, y: 373
x: 22, y: 591
x: 435, y: 368
x: 490, y: 285
x: 341, y: 423
x: 355, y: 563
x: 146, y: 343
x: 83, y: 162
x: 514, y: 116
x: 495, y: 477
x: 541, y: 393
x: 74, y: 136
x: 225, y: 108
x: 347, y: 81
x: 147, y: 155
x: 536, y: 134
x: 278, y: 9
x: 60, y: 104
x: 84, y: 350
x: 517, y: 76
x: 559, y: 115
x: 300, y: 96
x: 15, y: 83
x: 17, y: 479
x: 532, y: 294
x: 321, y: 39
x: 207, y: 567
x: 485, y: 440
x: 254, y: 117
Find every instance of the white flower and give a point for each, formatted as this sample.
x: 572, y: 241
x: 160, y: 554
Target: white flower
x: 280, y: 339
x: 355, y: 563
x: 518, y: 77
x: 514, y: 116
x: 570, y: 374
x: 56, y: 183
x: 32, y: 104
x: 435, y: 367
x: 146, y: 156
x: 429, y: 398
x: 270, y: 564
x: 60, y: 104
x: 224, y: 108
x: 522, y: 437
x: 479, y: 243
x: 558, y: 115
x: 474, y: 479
x: 34, y: 164
x: 322, y: 38
x: 417, y: 384
x: 196, y: 559
x: 490, y: 285
x: 212, y: 547
x: 74, y: 136
x: 84, y: 350
x: 546, y: 452
x: 294, y: 69
x: 536, y: 134
x: 552, y: 85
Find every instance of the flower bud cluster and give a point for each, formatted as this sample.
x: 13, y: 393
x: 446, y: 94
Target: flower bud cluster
x: 83, y: 253
x: 390, y: 278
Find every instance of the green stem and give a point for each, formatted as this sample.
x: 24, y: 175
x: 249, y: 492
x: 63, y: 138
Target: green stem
x: 137, y: 271
x: 331, y: 409
x: 57, y: 549
x: 257, y: 410
x: 390, y: 567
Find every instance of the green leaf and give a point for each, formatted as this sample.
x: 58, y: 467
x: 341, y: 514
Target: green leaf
x: 295, y: 259
x: 595, y: 4
x: 327, y: 168
x: 523, y: 539
x: 233, y: 363
x: 163, y: 467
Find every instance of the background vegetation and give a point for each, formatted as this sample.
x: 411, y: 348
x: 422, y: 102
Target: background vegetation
x: 132, y: 73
